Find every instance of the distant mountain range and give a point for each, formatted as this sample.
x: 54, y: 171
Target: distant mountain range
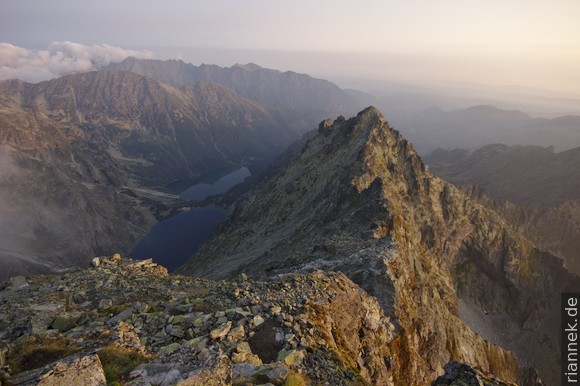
x: 478, y: 126
x: 315, y: 99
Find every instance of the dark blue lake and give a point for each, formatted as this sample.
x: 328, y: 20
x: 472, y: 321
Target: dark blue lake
x: 203, y: 190
x: 171, y: 242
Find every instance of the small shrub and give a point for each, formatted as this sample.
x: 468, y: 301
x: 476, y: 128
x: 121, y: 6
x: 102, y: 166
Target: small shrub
x: 118, y: 362
x: 295, y: 379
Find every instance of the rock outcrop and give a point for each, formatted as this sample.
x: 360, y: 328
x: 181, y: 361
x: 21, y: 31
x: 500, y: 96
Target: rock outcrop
x: 358, y: 199
x: 142, y: 326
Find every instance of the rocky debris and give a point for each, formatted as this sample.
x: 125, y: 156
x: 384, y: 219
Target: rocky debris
x: 189, y: 331
x: 461, y: 374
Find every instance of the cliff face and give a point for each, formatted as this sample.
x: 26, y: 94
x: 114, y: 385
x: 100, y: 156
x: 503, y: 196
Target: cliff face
x: 536, y: 189
x: 359, y: 200
x: 84, y: 155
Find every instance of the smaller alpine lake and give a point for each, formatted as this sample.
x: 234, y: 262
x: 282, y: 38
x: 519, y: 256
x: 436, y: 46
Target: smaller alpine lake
x: 174, y: 240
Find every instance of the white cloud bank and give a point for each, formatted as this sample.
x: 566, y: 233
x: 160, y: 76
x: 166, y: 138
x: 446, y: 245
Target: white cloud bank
x: 60, y: 58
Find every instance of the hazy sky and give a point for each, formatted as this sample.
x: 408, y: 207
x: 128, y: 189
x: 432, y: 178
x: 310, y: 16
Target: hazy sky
x: 526, y: 42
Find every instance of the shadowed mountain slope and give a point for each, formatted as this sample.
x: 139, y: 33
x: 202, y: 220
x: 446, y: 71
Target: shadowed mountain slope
x: 84, y: 155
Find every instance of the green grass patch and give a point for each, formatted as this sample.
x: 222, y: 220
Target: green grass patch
x: 295, y: 379
x: 114, y: 310
x: 37, y: 352
x: 118, y: 362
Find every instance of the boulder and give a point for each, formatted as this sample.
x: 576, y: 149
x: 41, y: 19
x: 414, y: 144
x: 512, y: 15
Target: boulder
x: 221, y: 332
x: 86, y: 371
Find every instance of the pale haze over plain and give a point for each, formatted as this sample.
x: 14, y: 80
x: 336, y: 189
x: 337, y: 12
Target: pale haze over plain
x: 501, y: 43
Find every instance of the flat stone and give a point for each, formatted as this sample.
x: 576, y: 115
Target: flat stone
x: 201, y: 320
x: 244, y: 373
x: 292, y: 357
x: 121, y: 316
x: 237, y: 333
x: 221, y: 331
x: 273, y: 373
x: 170, y: 348
x: 246, y: 357
x: 218, y: 374
x: 198, y: 343
x: 105, y: 303
x: 86, y: 370
x: 51, y: 307
x: 258, y: 320
x: 275, y: 310
x: 16, y: 283
x: 65, y: 321
x: 177, y: 331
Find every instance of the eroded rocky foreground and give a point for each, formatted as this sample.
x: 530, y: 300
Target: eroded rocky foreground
x: 129, y: 321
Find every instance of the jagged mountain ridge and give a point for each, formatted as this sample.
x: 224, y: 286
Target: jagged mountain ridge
x: 313, y: 98
x: 477, y: 126
x: 359, y: 200
x: 201, y: 125
x: 80, y: 154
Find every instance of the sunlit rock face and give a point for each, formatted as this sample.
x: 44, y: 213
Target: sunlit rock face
x: 358, y: 199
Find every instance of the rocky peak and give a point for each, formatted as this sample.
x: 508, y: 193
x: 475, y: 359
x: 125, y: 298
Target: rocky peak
x: 359, y: 200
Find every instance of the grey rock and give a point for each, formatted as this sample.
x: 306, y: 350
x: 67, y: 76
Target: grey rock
x: 169, y: 349
x: 257, y: 320
x: 121, y: 316
x: 105, y: 303
x: 221, y: 332
x: 86, y: 370
x: 16, y: 283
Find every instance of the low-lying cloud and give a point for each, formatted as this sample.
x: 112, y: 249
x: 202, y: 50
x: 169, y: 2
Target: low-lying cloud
x: 60, y: 58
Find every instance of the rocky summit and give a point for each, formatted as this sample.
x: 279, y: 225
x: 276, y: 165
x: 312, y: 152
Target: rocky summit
x: 129, y: 321
x: 454, y: 277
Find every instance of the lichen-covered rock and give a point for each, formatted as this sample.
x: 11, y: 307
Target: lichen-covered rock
x: 221, y: 331
x: 85, y: 370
